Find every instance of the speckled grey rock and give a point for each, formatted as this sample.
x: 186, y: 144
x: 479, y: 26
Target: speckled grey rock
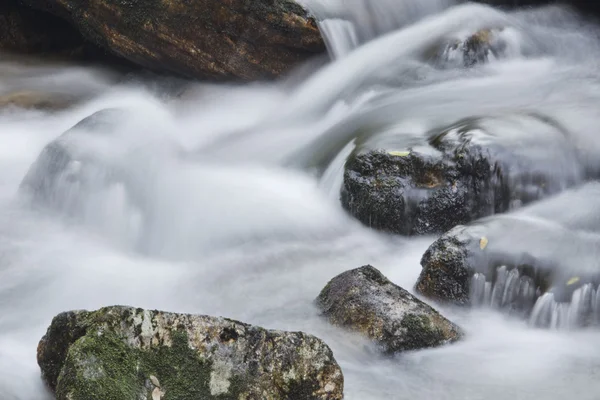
x: 127, y: 353
x: 365, y: 301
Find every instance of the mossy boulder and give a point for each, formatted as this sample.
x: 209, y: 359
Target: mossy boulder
x: 510, y: 260
x: 207, y: 39
x: 365, y: 301
x: 475, y: 168
x: 127, y: 353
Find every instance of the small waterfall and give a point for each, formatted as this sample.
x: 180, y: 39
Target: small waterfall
x: 518, y: 294
x: 511, y: 290
x: 583, y: 310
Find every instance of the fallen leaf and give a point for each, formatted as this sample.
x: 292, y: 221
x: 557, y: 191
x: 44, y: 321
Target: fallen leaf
x: 154, y: 380
x: 573, y: 280
x: 156, y: 394
x: 483, y: 243
x: 399, y: 153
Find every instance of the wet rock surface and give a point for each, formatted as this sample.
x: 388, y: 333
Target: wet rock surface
x: 471, y: 170
x: 129, y: 353
x: 237, y: 39
x: 505, y: 260
x: 481, y: 47
x: 36, y: 100
x: 365, y: 301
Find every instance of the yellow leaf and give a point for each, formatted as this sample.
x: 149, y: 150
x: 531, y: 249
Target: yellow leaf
x: 483, y: 243
x: 399, y: 153
x: 154, y: 380
x: 573, y: 280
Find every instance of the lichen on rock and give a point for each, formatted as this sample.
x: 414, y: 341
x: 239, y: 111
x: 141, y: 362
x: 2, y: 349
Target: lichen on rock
x: 128, y: 353
x: 365, y: 301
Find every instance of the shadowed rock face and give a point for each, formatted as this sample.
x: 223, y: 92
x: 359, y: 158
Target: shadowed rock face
x: 26, y: 30
x: 233, y: 39
x: 129, y: 353
x: 518, y: 242
x: 365, y: 301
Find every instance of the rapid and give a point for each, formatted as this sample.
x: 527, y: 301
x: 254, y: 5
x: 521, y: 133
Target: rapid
x: 224, y: 199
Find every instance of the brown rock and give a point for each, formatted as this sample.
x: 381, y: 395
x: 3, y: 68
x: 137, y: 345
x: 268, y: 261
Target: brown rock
x: 229, y: 39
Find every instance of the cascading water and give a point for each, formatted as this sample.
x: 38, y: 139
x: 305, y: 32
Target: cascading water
x: 223, y: 200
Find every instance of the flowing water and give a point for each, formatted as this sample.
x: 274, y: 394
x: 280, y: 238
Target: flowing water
x: 223, y: 200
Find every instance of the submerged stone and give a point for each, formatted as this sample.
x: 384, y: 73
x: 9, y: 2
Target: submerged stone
x: 365, y: 301
x: 471, y: 170
x: 478, y: 48
x: 129, y: 353
x: 550, y: 248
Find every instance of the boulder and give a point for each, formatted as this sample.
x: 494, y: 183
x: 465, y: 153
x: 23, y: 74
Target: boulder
x: 517, y: 261
x: 365, y: 301
x: 129, y: 353
x: 63, y: 166
x: 25, y: 30
x: 473, y: 169
x: 233, y: 40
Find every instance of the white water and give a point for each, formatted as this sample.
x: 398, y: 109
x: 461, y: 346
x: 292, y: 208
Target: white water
x: 203, y: 213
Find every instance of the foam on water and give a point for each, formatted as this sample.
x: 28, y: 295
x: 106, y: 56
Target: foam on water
x: 219, y: 201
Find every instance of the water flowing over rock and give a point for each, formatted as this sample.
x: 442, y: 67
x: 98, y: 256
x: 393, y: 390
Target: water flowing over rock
x: 471, y: 170
x: 129, y: 353
x: 506, y: 261
x: 365, y: 301
x: 478, y: 48
x: 200, y: 38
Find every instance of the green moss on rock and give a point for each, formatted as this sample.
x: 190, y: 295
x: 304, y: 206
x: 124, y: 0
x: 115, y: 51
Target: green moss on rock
x: 365, y: 301
x: 126, y: 353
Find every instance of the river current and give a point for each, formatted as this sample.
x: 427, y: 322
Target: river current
x: 229, y: 199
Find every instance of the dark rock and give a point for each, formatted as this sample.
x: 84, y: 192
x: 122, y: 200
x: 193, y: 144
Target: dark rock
x: 365, y: 301
x: 468, y: 171
x: 509, y: 261
x: 237, y: 39
x: 25, y: 30
x: 128, y: 353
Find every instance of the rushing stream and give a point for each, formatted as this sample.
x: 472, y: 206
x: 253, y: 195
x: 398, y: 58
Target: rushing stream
x: 223, y: 200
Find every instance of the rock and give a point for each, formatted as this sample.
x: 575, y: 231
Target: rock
x: 478, y: 48
x: 237, y: 39
x: 36, y: 100
x: 473, y: 169
x: 511, y: 261
x: 62, y: 167
x: 25, y: 30
x: 129, y: 353
x: 365, y: 301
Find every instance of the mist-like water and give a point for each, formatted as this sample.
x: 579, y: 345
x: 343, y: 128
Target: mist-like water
x: 223, y: 200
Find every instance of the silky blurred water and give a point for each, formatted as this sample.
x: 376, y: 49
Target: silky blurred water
x: 223, y: 200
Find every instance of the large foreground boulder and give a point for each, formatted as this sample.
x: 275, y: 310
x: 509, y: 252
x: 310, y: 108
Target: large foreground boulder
x: 365, y: 301
x: 236, y: 39
x: 473, y: 169
x: 518, y: 261
x: 129, y: 353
